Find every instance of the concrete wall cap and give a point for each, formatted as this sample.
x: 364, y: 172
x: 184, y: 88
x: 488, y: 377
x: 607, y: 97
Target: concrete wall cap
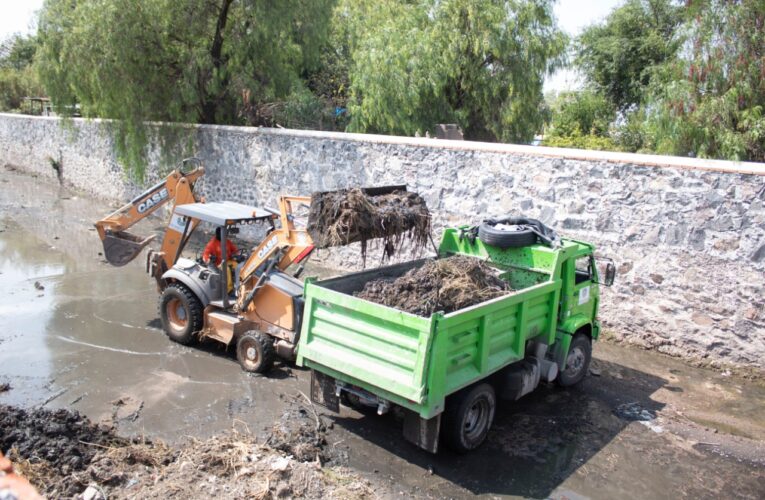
x: 635, y: 159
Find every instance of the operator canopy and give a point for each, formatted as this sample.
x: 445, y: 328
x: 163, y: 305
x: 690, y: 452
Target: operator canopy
x: 226, y: 213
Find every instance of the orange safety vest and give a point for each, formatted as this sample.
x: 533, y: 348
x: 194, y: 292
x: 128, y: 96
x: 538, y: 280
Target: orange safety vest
x: 213, y: 250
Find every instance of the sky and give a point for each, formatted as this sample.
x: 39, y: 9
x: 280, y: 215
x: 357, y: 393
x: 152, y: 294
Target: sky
x: 573, y: 16
x: 17, y: 16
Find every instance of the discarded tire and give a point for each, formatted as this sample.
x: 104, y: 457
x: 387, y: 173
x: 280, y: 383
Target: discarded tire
x: 508, y: 236
x: 514, y: 232
x: 181, y: 313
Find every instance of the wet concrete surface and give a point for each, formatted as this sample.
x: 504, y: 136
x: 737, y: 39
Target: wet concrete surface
x: 78, y: 333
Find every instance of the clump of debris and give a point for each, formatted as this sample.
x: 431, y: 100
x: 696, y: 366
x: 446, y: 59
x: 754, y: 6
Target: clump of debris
x: 446, y: 285
x: 347, y: 216
x: 63, y: 454
x: 50, y: 443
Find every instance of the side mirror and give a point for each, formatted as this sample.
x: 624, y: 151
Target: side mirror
x: 610, y: 274
x: 607, y: 272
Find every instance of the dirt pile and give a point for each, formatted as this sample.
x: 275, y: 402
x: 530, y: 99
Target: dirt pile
x: 294, y: 461
x: 445, y: 285
x: 65, y: 440
x: 346, y: 216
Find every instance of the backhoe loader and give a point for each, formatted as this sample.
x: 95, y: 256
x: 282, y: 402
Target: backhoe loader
x: 262, y: 315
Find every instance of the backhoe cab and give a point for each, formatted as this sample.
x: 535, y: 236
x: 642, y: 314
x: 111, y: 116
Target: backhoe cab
x: 261, y: 316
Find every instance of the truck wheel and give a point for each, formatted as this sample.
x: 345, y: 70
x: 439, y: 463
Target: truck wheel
x: 181, y: 313
x: 255, y: 352
x: 577, y: 361
x: 468, y: 417
x: 513, y: 237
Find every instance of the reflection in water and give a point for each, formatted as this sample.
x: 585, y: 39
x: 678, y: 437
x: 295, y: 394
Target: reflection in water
x: 25, y: 309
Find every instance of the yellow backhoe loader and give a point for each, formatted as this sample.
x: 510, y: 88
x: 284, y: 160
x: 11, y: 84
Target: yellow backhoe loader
x: 262, y: 316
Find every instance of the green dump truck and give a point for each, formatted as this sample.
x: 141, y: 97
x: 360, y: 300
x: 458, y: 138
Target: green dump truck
x: 447, y: 371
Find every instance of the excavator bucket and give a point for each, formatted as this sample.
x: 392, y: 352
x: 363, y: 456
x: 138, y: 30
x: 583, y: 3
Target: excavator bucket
x: 122, y: 247
x: 389, y: 213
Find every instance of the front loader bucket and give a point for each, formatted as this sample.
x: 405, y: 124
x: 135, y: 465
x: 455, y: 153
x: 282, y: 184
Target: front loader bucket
x: 389, y: 213
x: 122, y: 247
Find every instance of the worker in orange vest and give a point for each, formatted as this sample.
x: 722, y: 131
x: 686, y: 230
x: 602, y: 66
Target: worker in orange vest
x: 213, y: 254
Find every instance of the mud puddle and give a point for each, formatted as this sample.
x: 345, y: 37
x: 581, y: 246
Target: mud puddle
x: 81, y: 334
x: 88, y: 341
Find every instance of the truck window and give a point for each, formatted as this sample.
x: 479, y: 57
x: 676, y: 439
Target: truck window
x: 583, y: 269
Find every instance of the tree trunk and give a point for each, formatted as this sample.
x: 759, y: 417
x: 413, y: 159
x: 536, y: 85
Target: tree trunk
x: 210, y: 102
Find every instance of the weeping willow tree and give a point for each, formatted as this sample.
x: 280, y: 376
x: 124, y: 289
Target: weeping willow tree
x: 710, y: 102
x: 182, y: 61
x: 479, y: 63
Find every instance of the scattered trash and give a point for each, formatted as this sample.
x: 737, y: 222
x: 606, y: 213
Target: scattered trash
x: 634, y: 412
x: 281, y: 463
x: 595, y: 372
x: 445, y: 285
x: 93, y: 492
x: 39, y: 285
x: 654, y: 427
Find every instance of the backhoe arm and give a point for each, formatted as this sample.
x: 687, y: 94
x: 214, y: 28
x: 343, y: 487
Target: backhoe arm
x: 121, y: 247
x: 293, y: 243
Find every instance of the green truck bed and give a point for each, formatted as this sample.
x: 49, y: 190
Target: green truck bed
x: 414, y: 361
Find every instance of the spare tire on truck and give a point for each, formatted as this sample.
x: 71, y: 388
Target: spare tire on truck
x: 514, y: 232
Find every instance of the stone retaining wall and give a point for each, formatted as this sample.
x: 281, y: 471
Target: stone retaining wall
x: 688, y: 235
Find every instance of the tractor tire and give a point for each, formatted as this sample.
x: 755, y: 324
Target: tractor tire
x: 505, y: 238
x: 468, y: 417
x: 577, y: 361
x: 255, y: 352
x: 181, y: 313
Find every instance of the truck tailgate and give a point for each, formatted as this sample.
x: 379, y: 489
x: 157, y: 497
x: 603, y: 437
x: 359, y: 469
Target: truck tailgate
x: 371, y: 343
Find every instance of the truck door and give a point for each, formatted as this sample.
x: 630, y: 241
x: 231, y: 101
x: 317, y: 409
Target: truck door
x: 583, y: 297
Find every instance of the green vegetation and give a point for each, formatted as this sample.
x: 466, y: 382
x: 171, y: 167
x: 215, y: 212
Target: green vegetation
x: 581, y: 120
x: 618, y: 57
x: 177, y: 61
x: 711, y: 103
x: 478, y: 63
x: 17, y: 77
x: 684, y: 78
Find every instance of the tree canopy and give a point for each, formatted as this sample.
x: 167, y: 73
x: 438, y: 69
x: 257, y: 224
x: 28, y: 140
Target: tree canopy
x: 204, y: 61
x: 618, y: 57
x: 17, y: 76
x: 668, y: 76
x: 478, y: 63
x: 711, y: 102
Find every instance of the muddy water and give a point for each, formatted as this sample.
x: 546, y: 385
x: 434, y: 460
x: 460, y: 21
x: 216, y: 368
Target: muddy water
x: 79, y: 333
x: 88, y: 340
